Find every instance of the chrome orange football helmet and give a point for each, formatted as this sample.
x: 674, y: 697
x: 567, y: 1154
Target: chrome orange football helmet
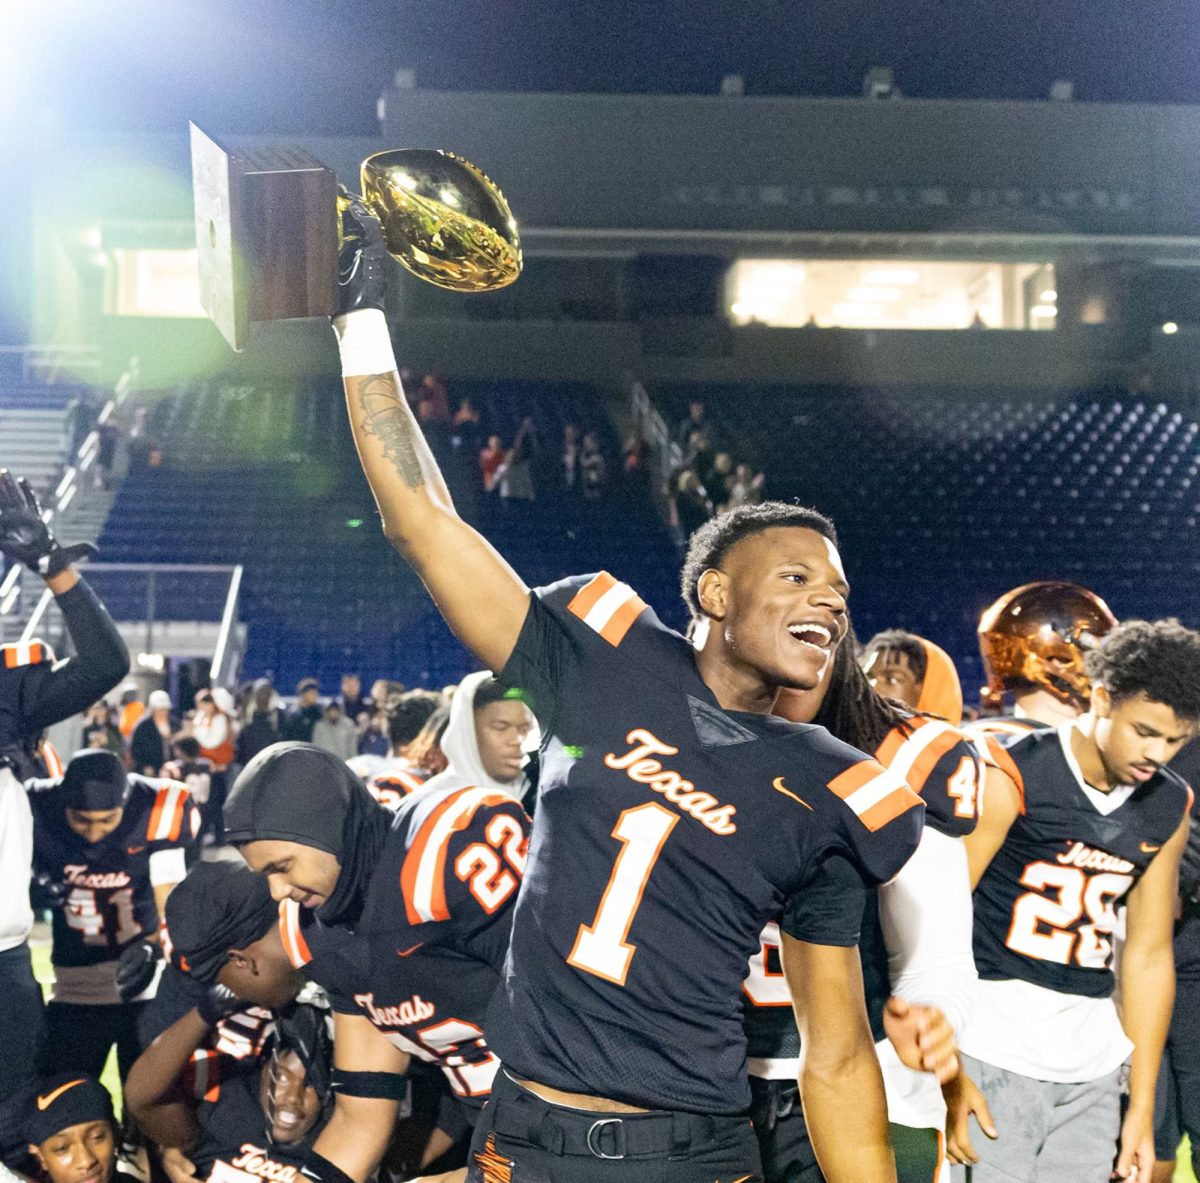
x: 1035, y: 637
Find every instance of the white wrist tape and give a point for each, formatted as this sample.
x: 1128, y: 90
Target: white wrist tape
x: 364, y: 343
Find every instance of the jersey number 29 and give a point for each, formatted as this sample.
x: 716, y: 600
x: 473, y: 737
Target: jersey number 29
x: 601, y: 947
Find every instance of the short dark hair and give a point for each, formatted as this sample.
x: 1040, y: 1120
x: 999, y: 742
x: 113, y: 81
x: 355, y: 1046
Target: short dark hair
x: 896, y: 640
x: 189, y: 746
x: 1159, y: 658
x: 408, y: 714
x: 490, y: 691
x: 709, y: 545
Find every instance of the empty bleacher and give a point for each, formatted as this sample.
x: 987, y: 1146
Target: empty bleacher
x: 267, y: 477
x: 944, y: 501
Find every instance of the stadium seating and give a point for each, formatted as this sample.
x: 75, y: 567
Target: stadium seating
x: 267, y: 477
x: 944, y: 501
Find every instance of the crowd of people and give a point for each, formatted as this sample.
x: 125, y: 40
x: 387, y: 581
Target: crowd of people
x: 707, y: 479
x: 752, y: 903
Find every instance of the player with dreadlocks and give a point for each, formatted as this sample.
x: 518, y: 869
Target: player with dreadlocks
x: 915, y: 944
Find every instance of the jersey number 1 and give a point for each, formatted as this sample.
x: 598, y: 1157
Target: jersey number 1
x: 600, y: 947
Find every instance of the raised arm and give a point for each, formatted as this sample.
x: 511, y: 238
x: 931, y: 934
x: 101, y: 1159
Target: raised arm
x: 480, y: 596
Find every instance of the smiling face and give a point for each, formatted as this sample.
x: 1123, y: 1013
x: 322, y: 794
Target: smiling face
x: 289, y: 1101
x: 293, y: 871
x: 779, y: 599
x: 1136, y: 736
x: 82, y: 1153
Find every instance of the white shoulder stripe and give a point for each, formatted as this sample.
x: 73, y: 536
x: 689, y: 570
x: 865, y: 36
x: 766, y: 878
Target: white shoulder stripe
x: 875, y: 790
x: 435, y: 845
x: 916, y: 743
x: 608, y: 605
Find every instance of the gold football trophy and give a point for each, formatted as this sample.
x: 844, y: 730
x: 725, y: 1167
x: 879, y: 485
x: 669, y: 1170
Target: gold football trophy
x: 268, y: 228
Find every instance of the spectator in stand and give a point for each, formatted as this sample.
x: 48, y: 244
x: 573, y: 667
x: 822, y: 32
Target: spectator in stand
x: 593, y: 468
x: 213, y: 727
x: 101, y: 732
x: 514, y: 481
x: 372, y: 739
x: 196, y: 771
x: 299, y: 722
x: 106, y: 454
x: 141, y: 445
x: 695, y: 420
x: 263, y: 728
x: 433, y: 401
x: 354, y: 705
x: 569, y: 472
x: 491, y: 459
x: 746, y: 488
x: 149, y: 749
x: 132, y: 709
x: 688, y: 505
x: 335, y: 733
x: 699, y: 457
x: 635, y: 477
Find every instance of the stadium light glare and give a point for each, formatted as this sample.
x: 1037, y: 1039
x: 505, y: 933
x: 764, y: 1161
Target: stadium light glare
x: 1048, y: 296
x: 892, y: 276
x: 1170, y: 328
x: 873, y: 295
x: 1043, y: 310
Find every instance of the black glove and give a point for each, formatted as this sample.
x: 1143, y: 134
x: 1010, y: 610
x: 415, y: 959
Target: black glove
x: 48, y: 892
x: 217, y: 1003
x: 363, y: 259
x: 25, y: 537
x: 135, y: 969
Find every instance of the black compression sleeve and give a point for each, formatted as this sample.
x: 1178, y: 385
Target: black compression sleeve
x: 101, y: 660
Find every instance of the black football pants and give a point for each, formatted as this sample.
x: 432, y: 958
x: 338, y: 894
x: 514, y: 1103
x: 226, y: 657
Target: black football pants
x: 522, y: 1139
x: 22, y: 1029
x: 79, y: 1037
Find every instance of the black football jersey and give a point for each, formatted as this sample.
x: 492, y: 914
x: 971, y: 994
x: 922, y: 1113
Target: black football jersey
x: 233, y: 1146
x: 237, y: 1038
x: 669, y: 832
x: 425, y: 960
x: 107, y: 886
x: 1005, y: 729
x: 944, y: 766
x: 1046, y: 907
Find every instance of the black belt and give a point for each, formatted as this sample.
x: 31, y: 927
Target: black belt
x: 519, y: 1113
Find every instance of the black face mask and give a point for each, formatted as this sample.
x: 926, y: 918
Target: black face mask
x: 95, y: 782
x: 296, y: 792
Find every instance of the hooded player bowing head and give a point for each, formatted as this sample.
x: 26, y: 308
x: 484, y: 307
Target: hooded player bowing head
x: 404, y: 919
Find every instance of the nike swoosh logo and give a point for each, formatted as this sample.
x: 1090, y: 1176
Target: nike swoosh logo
x: 406, y: 952
x: 1149, y: 847
x: 134, y: 849
x: 45, y: 1102
x: 777, y: 785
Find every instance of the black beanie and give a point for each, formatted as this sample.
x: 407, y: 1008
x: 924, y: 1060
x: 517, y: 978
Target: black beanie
x: 95, y: 781
x: 218, y: 907
x: 64, y: 1100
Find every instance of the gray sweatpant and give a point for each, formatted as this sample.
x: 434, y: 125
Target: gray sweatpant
x: 1049, y: 1133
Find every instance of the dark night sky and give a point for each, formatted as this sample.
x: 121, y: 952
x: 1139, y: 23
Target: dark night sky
x: 295, y: 65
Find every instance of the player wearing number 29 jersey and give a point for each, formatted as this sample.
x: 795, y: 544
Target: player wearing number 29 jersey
x: 1092, y: 823
x: 668, y: 832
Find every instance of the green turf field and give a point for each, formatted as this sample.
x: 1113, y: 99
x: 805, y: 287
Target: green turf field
x: 45, y: 975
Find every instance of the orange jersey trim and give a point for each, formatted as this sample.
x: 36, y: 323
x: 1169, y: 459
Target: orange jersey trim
x: 294, y: 944
x: 608, y: 607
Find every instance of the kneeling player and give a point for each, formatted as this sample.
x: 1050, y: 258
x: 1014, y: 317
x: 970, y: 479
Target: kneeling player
x: 425, y: 897
x: 111, y: 845
x: 1095, y: 820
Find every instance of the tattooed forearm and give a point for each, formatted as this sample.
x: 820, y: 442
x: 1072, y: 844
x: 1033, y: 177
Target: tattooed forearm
x: 386, y: 417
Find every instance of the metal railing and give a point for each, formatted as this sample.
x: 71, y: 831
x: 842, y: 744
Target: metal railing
x: 226, y: 650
